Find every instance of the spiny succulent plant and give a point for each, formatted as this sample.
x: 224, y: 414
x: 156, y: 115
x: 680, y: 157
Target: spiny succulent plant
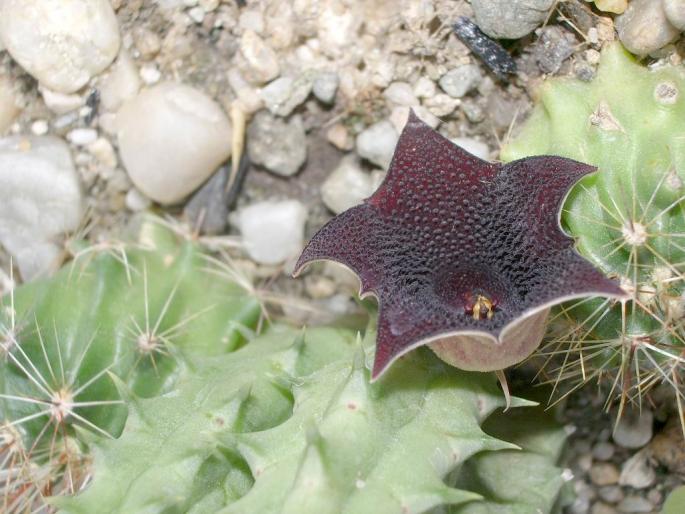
x: 462, y: 254
x: 135, y: 312
x: 133, y: 382
x: 628, y: 219
x: 291, y: 424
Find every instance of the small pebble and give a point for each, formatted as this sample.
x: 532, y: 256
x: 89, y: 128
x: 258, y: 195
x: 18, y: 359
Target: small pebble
x: 510, y: 19
x: 146, y: 42
x: 82, y: 136
x: 634, y: 429
x: 553, y: 47
x: 377, y: 143
x: 325, y: 86
x: 284, y: 94
x: 339, y: 136
x: 60, y: 103
x: 197, y: 14
x: 262, y: 61
x: 273, y: 231
x: 675, y: 13
x: 644, y: 28
x: 172, y: 137
x: 251, y: 19
x: 120, y: 83
x: 150, y: 74
x: 459, y: 81
x: 473, y: 146
x: 39, y: 127
x: 611, y: 493
x: 278, y: 145
x: 604, y: 474
x: 603, y: 451
x: 346, y: 186
x: 612, y: 6
x: 400, y: 93
x: 136, y: 201
x: 635, y: 503
x: 637, y: 472
x: 602, y: 508
x: 424, y: 88
x: 75, y: 41
x: 489, y: 51
x: 104, y: 152
x: 441, y: 104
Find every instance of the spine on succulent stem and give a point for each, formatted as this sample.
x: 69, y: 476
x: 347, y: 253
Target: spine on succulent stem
x: 138, y: 311
x: 628, y: 219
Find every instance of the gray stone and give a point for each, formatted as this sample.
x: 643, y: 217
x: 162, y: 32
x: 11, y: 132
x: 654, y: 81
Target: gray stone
x: 644, y: 28
x: 40, y: 199
x: 278, y: 145
x: 675, y: 13
x: 552, y: 49
x: 284, y: 94
x: 377, y: 143
x: 635, y: 503
x: 510, y: 19
x: 637, y: 472
x: 604, y: 474
x: 634, y: 429
x: 611, y: 493
x: 325, y: 86
x: 603, y: 451
x: 459, y: 81
x: 261, y: 61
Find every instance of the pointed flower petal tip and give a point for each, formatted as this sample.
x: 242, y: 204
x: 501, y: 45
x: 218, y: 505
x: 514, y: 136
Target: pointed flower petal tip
x: 458, y: 248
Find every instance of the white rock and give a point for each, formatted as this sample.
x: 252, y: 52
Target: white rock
x: 104, y: 152
x: 636, y: 471
x: 460, y: 80
x: 424, y: 87
x: 136, y: 201
x: 644, y: 27
x: 248, y: 97
x: 473, y: 146
x: 9, y: 107
x: 273, y: 231
x: 197, y: 14
x: 346, y: 186
x: 325, y: 86
x: 82, y: 136
x: 61, y: 103
x: 262, y: 62
x: 400, y: 115
x: 337, y: 27
x: 401, y: 93
x: 40, y: 199
x: 251, y: 19
x: 150, y: 74
x: 39, y: 127
x: 441, y: 104
x: 120, y: 83
x: 284, y: 94
x: 377, y: 143
x: 172, y: 137
x: 62, y: 44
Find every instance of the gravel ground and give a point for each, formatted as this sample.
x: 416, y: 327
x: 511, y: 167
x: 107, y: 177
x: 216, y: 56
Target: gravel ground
x: 150, y: 97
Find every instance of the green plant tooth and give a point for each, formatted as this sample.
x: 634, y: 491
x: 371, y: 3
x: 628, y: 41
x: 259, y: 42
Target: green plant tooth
x: 628, y: 218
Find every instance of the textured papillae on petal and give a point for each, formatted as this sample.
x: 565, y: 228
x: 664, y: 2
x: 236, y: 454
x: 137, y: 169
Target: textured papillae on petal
x: 452, y: 245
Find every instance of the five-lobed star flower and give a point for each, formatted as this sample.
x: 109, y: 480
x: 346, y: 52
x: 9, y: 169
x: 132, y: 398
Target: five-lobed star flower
x: 461, y: 253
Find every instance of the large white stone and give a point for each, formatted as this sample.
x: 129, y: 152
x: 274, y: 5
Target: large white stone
x: 61, y: 43
x: 40, y: 198
x: 347, y: 186
x: 172, y: 137
x: 273, y: 231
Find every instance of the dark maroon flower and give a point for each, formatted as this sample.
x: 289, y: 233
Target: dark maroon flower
x: 461, y: 253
